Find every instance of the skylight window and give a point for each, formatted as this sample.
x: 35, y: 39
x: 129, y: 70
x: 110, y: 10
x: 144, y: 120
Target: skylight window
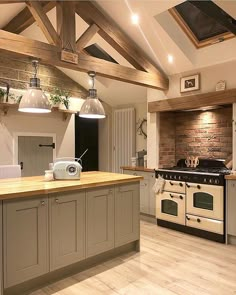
x: 201, y: 27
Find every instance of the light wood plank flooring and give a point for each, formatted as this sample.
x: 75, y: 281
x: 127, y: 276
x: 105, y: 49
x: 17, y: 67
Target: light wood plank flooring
x: 169, y: 263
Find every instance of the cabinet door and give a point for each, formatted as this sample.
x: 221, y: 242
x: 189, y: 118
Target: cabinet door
x: 67, y: 228
x: 1, y: 273
x: 99, y: 220
x: 152, y: 195
x: 127, y: 198
x: 144, y: 196
x: 231, y: 207
x: 25, y: 224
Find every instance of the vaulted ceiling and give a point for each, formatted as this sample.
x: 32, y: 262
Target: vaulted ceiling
x: 157, y: 34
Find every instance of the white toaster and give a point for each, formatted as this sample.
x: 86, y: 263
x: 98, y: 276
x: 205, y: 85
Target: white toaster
x: 66, y: 169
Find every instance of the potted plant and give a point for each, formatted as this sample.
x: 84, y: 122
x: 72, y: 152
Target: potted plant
x: 60, y: 98
x: 14, y: 99
x: 2, y: 94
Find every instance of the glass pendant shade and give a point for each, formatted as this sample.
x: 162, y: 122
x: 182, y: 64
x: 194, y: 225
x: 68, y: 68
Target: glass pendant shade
x: 92, y: 108
x: 34, y: 100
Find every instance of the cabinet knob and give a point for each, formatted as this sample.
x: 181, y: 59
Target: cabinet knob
x: 57, y: 201
x: 42, y: 203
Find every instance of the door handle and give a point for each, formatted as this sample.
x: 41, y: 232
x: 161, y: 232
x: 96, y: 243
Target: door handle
x: 21, y: 165
x: 48, y: 145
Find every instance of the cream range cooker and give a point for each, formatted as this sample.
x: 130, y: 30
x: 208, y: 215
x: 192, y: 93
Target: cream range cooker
x: 193, y: 199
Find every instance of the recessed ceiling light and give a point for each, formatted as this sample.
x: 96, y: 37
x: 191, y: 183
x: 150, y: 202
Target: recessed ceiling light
x: 170, y: 58
x: 135, y: 19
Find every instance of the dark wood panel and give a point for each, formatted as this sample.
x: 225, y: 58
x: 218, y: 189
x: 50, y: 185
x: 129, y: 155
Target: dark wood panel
x: 24, y: 19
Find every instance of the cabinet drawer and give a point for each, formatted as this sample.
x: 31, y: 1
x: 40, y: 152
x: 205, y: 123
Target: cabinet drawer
x: 174, y: 186
x: 203, y: 223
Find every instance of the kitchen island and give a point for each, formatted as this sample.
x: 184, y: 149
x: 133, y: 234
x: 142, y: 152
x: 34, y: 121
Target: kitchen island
x: 55, y: 228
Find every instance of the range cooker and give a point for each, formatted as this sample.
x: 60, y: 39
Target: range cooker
x: 193, y: 199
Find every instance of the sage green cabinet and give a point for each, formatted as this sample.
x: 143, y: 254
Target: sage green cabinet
x: 25, y: 227
x: 99, y: 220
x: 147, y: 196
x: 127, y: 198
x: 67, y: 228
x: 1, y: 240
x: 231, y: 207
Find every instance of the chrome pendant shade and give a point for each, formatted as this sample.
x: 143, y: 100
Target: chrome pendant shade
x: 92, y: 108
x: 34, y: 100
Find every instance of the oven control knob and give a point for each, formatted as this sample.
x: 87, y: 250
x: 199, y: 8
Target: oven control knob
x: 204, y: 180
x: 170, y: 176
x: 217, y: 181
x: 179, y: 177
x: 210, y: 180
x: 174, y: 176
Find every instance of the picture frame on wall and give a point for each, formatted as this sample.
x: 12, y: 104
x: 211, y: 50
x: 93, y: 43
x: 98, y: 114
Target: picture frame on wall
x: 190, y: 83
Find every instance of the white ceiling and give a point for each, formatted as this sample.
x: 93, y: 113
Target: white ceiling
x: 157, y: 34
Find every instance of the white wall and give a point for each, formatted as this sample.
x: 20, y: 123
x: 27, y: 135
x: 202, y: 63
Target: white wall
x: 209, y: 76
x: 141, y: 113
x: 105, y: 140
x: 48, y: 123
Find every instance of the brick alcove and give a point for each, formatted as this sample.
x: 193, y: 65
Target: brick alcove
x: 206, y: 134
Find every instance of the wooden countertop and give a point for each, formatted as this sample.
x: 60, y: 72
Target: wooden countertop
x: 230, y: 177
x: 29, y: 186
x: 137, y: 168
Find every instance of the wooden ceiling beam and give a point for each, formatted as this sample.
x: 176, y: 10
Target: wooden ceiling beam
x: 50, y: 54
x: 24, y: 19
x: 192, y: 102
x: 66, y: 24
x: 86, y: 37
x: 11, y: 1
x: 43, y: 22
x: 117, y: 39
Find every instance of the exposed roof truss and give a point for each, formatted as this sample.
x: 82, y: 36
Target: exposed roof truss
x: 145, y: 73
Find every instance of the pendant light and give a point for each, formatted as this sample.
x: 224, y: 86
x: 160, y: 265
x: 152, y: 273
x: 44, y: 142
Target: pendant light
x: 92, y: 108
x: 34, y: 100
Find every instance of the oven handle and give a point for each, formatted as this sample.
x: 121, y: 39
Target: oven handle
x: 193, y: 185
x: 176, y: 196
x: 193, y: 219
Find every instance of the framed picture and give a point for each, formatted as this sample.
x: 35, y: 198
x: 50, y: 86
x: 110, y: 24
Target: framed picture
x: 190, y: 83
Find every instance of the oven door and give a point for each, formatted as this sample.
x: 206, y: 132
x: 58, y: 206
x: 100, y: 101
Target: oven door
x: 205, y: 200
x: 171, y: 207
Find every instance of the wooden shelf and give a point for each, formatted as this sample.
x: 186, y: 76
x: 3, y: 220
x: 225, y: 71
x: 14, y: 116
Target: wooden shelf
x: 193, y: 101
x: 4, y: 107
x: 65, y: 113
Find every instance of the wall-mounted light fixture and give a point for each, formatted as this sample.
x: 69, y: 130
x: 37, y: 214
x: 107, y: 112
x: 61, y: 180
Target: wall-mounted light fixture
x: 34, y: 100
x: 92, y: 108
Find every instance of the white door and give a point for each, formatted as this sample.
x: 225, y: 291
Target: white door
x: 34, y: 154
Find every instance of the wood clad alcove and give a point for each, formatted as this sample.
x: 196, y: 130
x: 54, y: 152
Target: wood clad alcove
x: 202, y: 100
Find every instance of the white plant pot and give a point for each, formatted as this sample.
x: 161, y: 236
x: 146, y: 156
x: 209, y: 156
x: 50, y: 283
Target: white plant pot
x: 62, y: 106
x: 55, y: 105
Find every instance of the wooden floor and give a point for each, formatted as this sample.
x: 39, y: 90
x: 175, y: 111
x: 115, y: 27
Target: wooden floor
x: 169, y: 263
